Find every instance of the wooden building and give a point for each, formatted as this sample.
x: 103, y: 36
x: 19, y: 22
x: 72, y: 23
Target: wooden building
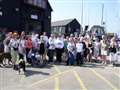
x: 66, y: 27
x: 25, y: 15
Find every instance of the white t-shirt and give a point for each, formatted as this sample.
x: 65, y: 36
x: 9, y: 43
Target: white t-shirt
x: 59, y: 43
x: 14, y: 43
x: 51, y: 43
x: 79, y: 47
x: 35, y: 42
x: 46, y: 40
x: 21, y: 47
x: 119, y: 44
x: 6, y: 49
x: 71, y: 47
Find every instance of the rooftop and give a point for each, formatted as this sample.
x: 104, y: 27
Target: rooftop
x: 62, y: 22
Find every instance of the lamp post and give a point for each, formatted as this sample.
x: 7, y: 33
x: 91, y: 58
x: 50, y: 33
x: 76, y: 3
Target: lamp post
x: 82, y: 18
x: 102, y: 15
x: 102, y: 19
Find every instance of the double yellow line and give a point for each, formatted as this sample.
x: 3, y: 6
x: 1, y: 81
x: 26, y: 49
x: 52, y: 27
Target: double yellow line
x: 79, y: 80
x: 57, y: 83
x: 77, y: 76
x: 49, y: 78
x: 104, y: 79
x: 57, y: 80
x: 117, y: 74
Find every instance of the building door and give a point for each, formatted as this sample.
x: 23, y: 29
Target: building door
x: 33, y: 26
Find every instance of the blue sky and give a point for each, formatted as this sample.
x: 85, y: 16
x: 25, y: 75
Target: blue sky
x: 66, y: 9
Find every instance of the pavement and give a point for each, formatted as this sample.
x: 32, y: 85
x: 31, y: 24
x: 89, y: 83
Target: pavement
x: 60, y: 77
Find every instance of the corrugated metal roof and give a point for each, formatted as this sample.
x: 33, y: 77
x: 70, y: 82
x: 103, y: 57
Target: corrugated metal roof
x: 61, y: 22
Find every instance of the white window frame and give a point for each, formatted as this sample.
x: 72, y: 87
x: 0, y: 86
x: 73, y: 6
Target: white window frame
x: 34, y: 17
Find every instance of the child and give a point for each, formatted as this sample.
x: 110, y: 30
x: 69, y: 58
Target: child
x: 31, y: 57
x: 38, y: 58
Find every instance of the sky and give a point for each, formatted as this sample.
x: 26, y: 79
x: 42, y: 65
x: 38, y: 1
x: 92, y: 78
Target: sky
x: 92, y: 12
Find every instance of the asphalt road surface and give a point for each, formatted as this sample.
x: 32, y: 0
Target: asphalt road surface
x: 60, y: 77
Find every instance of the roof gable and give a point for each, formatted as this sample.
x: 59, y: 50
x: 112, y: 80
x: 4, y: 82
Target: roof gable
x: 49, y: 6
x: 62, y: 22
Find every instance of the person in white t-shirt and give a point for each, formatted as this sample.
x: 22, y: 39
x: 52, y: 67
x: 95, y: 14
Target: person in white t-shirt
x: 97, y: 47
x: 45, y: 38
x: 59, y: 45
x: 7, y: 54
x: 51, y: 48
x: 79, y: 50
x: 22, y: 48
x: 35, y: 41
x: 113, y: 51
x: 104, y: 50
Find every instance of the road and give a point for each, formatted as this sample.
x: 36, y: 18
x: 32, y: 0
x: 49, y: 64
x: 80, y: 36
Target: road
x: 60, y: 77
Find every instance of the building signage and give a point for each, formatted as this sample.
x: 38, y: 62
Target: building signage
x: 34, y: 17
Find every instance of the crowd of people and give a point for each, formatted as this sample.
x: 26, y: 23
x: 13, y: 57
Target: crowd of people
x: 37, y: 49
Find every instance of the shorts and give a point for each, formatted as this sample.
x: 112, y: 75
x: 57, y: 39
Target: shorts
x: 113, y: 57
x: 104, y: 52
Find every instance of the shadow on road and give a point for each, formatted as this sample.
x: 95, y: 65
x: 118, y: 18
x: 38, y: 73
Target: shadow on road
x: 93, y: 65
x: 6, y: 66
x: 40, y: 66
x: 31, y: 72
x: 47, y: 66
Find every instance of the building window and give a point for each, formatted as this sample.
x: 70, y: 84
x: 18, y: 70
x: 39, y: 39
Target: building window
x: 31, y: 1
x: 40, y: 3
x: 49, y: 17
x: 34, y: 17
x: 43, y: 4
x: 63, y: 30
x: 60, y: 29
x: 77, y: 30
x: 1, y: 13
x: 17, y: 9
x: 69, y: 29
